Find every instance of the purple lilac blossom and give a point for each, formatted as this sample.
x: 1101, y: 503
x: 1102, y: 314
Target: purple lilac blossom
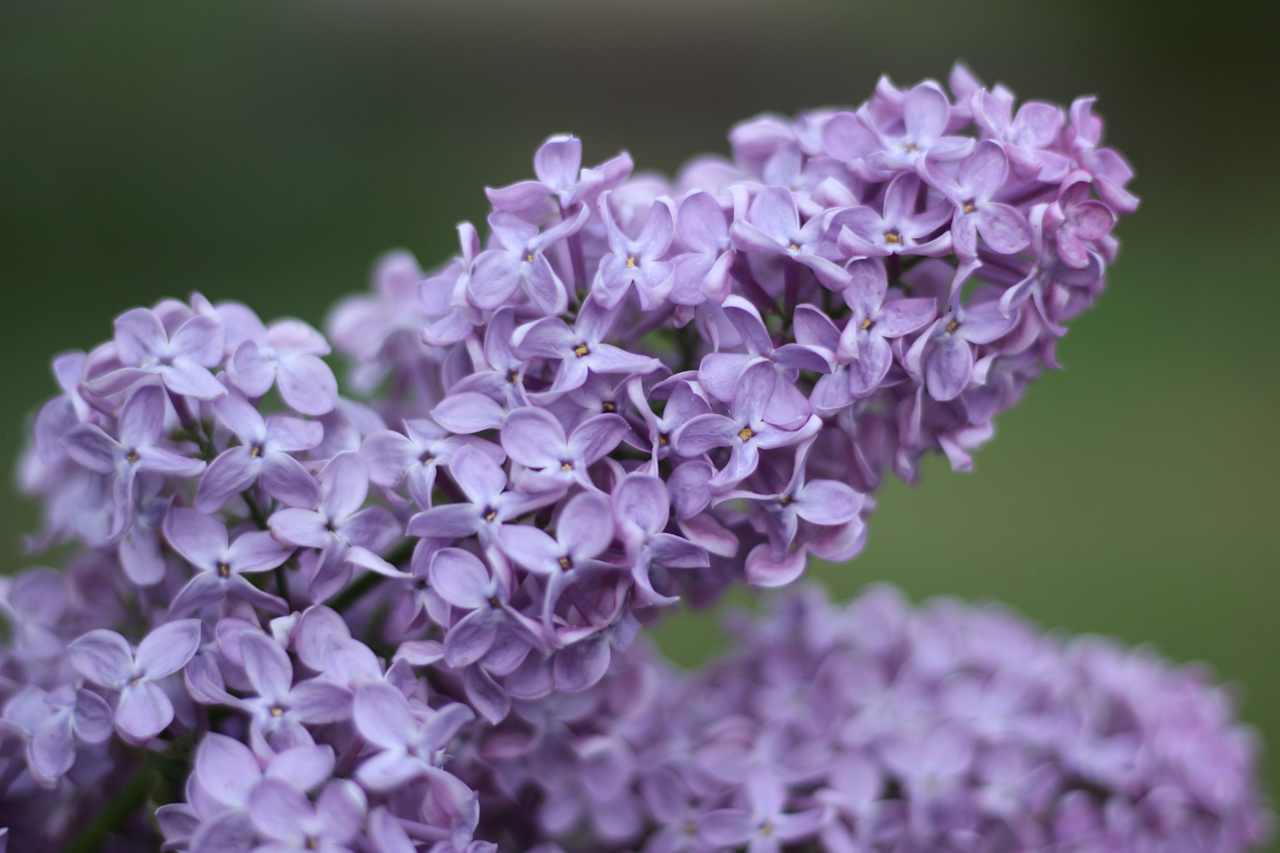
x: 631, y: 392
x: 879, y: 726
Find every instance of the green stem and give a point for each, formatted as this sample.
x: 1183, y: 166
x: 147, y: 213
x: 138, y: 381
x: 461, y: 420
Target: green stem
x: 118, y: 810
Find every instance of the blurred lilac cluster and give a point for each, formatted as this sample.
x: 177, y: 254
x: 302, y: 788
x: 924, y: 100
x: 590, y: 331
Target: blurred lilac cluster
x: 295, y: 616
x: 874, y: 726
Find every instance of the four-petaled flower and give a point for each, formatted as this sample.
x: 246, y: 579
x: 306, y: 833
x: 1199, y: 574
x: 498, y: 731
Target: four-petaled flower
x: 143, y: 709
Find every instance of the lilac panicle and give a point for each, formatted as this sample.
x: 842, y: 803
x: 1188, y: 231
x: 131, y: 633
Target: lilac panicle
x: 627, y: 393
x: 876, y: 726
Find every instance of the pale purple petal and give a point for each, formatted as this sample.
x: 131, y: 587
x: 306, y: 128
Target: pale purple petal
x: 533, y: 437
x: 103, y: 657
x: 257, y: 551
x: 460, y: 578
x: 307, y: 384
x: 267, y: 666
x: 302, y: 527
x: 168, y: 648
x: 381, y: 715
x: 468, y: 412
x: 144, y: 711
x: 199, y: 538
x: 233, y: 471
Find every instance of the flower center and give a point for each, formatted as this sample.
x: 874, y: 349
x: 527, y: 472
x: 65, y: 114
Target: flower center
x: 866, y: 324
x: 528, y: 257
x: 426, y: 457
x: 513, y: 376
x: 892, y: 237
x: 277, y: 711
x: 746, y: 433
x: 582, y: 350
x: 255, y: 450
x: 490, y: 514
x: 565, y: 563
x: 969, y: 206
x: 663, y: 439
x: 785, y: 500
x: 609, y: 407
x: 566, y: 465
x: 223, y: 568
x: 952, y: 326
x: 132, y: 457
x: 631, y: 262
x: 793, y: 248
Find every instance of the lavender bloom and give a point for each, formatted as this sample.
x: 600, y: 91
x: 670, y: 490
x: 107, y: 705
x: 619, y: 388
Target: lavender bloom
x: 875, y: 726
x: 521, y: 264
x: 281, y: 710
x: 1028, y: 137
x: 464, y: 582
x: 409, y: 748
x: 488, y: 504
x: 579, y: 351
x: 287, y: 820
x: 534, y: 438
x: 744, y: 431
x: 561, y: 179
x: 898, y: 230
x: 414, y: 456
x: 443, y: 296
x: 181, y: 361
x: 143, y: 710
x: 702, y: 272
x: 287, y: 354
x: 336, y: 524
x: 971, y: 186
x: 825, y: 503
x: 266, y: 450
x: 222, y: 565
x: 944, y: 354
x: 139, y: 448
x: 50, y: 724
x: 583, y: 531
x: 635, y: 261
x: 226, y: 772
x: 772, y: 228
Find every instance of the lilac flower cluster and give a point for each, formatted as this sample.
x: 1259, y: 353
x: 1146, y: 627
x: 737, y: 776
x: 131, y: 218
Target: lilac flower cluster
x: 876, y: 726
x: 291, y: 614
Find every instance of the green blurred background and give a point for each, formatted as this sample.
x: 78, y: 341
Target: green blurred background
x: 269, y: 152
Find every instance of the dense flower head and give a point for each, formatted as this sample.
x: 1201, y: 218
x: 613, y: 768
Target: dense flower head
x: 631, y: 391
x: 875, y: 726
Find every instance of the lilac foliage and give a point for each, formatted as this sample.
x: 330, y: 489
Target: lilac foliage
x: 294, y: 615
x: 876, y: 726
